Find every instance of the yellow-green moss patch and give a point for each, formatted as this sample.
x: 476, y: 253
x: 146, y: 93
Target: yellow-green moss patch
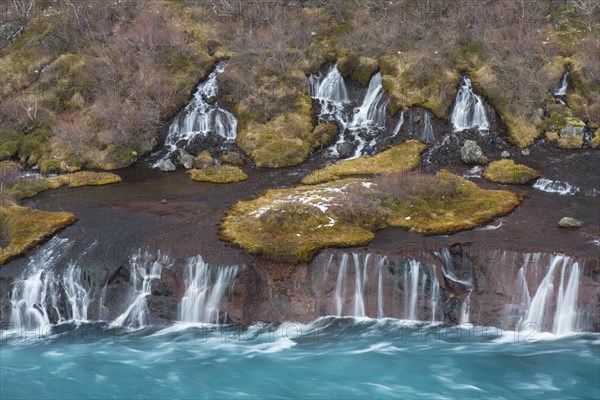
x: 218, y: 174
x: 403, y: 157
x: 89, y: 178
x: 23, y: 228
x: 506, y: 171
x: 291, y: 225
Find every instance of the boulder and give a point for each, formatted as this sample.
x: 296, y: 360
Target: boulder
x: 187, y: 161
x: 167, y: 166
x: 572, y: 130
x: 204, y: 160
x: 470, y: 153
x: 346, y: 149
x: 568, y: 222
x: 232, y: 158
x: 416, y: 119
x: 505, y: 154
x: 9, y: 31
x: 526, y: 152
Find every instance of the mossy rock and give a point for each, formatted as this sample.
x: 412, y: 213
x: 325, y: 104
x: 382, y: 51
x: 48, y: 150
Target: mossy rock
x: 325, y: 133
x: 292, y: 225
x: 204, y: 160
x: 357, y: 68
x: 34, y: 146
x: 26, y: 228
x: 89, y: 178
x: 115, y: 157
x: 400, y: 158
x: 10, y: 142
x: 218, y: 174
x: 232, y: 158
x: 574, y: 122
x: 569, y: 142
x: 595, y: 142
x: 506, y: 171
x: 50, y: 166
x: 281, y: 153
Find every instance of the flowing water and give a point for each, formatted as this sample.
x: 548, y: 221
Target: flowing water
x: 561, y: 90
x: 552, y: 186
x: 202, y: 116
x: 361, y: 358
x: 469, y: 110
x: 364, y: 124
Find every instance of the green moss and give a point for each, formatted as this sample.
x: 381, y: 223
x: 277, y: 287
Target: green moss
x: 50, y: 166
x: 34, y: 146
x: 325, y: 134
x: 26, y: 228
x: 10, y: 142
x: 218, y: 174
x: 359, y: 69
x: 89, y: 178
x: 291, y: 225
x: 506, y: 171
x: 30, y: 186
x: 403, y: 157
x: 115, y: 157
x: 574, y: 122
x: 595, y: 142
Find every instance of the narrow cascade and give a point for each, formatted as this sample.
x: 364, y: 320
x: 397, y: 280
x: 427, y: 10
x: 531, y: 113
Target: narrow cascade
x: 35, y: 297
x: 202, y: 116
x: 559, y: 187
x: 77, y: 296
x: 145, y: 269
x: 205, y: 289
x: 469, y: 110
x: 332, y: 88
x: 360, y: 278
x: 561, y: 90
x: 399, y: 125
x: 553, y: 306
x: 372, y: 110
x: 340, y: 286
x: 465, y: 310
x: 435, y: 294
x: 427, y: 133
x: 411, y: 289
x: 382, y: 262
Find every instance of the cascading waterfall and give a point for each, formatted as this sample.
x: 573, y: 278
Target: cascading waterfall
x: 367, y: 289
x: 205, y: 289
x: 202, y: 116
x: 77, y: 296
x: 332, y: 95
x: 561, y: 90
x: 36, y: 297
x: 562, y: 298
x: 469, y: 110
x: 145, y: 269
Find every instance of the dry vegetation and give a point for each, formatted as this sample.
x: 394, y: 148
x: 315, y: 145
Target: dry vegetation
x: 218, y: 174
x: 94, y: 86
x: 293, y: 224
x: 506, y: 171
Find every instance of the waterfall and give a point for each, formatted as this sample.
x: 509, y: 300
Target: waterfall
x: 360, y: 279
x: 435, y: 293
x: 566, y: 310
x: 411, y: 289
x: 332, y: 88
x: 382, y: 261
x: 202, y: 116
x: 332, y: 95
x: 399, y: 125
x: 563, y: 300
x: 469, y: 110
x: 340, y: 286
x: 561, y: 90
x: 145, y: 269
x: 77, y: 296
x: 35, y: 297
x: 427, y: 133
x: 205, y: 289
x: 465, y: 309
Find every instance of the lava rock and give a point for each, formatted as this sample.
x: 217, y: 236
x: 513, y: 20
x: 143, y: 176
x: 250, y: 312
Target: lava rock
x: 167, y: 166
x: 470, y: 153
x: 346, y: 149
x: 568, y: 222
x: 572, y: 130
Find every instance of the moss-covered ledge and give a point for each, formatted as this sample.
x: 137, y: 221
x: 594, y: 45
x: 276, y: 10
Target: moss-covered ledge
x: 218, y: 174
x: 22, y: 228
x: 507, y: 171
x: 292, y: 225
x: 403, y: 157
